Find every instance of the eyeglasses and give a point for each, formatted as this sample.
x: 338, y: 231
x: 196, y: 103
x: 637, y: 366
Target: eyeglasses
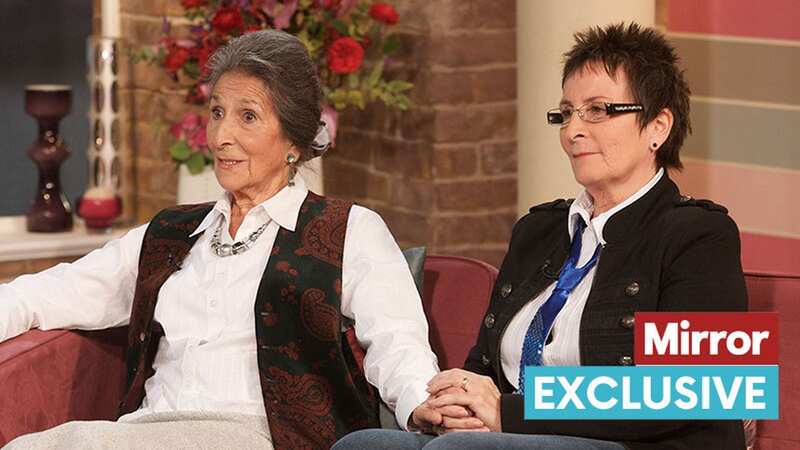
x: 591, y: 112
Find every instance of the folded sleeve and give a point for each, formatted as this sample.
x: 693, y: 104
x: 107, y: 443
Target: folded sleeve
x: 379, y: 294
x: 94, y: 292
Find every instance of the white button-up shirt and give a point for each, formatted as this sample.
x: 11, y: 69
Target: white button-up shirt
x: 564, y: 349
x: 207, y: 359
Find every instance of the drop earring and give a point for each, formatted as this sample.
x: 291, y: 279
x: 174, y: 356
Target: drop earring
x: 291, y: 161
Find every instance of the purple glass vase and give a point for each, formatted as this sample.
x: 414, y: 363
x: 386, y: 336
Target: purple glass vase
x: 48, y: 104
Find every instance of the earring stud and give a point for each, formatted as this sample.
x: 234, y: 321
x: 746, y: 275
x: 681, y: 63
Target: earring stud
x: 291, y: 161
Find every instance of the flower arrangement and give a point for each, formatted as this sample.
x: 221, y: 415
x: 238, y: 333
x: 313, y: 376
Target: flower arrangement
x: 349, y: 40
x: 190, y: 145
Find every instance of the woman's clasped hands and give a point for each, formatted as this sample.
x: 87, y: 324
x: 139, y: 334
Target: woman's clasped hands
x: 459, y: 400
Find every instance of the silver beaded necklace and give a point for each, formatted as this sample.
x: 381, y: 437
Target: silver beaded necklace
x: 236, y: 248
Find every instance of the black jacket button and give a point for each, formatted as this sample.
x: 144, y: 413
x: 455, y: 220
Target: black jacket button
x: 505, y: 291
x: 489, y: 320
x: 485, y: 360
x: 627, y: 321
x: 625, y: 360
x: 632, y: 289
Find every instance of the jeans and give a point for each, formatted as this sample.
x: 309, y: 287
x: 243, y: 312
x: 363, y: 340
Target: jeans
x: 402, y: 440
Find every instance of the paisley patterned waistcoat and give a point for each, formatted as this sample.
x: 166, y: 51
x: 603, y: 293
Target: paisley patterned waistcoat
x: 311, y: 372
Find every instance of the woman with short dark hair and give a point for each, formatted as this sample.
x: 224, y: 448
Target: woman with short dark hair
x: 245, y: 315
x: 577, y: 271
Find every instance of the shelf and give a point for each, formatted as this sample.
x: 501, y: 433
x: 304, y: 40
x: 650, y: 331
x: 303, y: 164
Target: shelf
x: 17, y: 244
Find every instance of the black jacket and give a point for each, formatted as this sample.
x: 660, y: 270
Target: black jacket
x: 664, y: 252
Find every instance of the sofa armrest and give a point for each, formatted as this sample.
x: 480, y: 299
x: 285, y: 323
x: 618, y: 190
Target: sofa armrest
x: 51, y: 377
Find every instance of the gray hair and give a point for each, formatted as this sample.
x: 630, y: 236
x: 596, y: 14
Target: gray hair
x: 282, y: 63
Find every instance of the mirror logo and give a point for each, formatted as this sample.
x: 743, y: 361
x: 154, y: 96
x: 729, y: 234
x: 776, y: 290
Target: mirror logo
x: 688, y: 366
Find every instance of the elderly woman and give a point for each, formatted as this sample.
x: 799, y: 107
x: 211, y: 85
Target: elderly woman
x: 237, y: 309
x: 576, y: 271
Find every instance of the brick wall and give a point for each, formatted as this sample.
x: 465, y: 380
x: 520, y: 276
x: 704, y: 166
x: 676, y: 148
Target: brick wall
x: 444, y: 174
x: 153, y: 100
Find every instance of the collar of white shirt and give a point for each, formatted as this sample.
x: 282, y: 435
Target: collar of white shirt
x: 583, y: 206
x: 283, y: 207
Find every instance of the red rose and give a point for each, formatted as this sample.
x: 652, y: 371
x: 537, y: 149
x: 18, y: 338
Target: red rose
x: 176, y: 58
x: 189, y: 4
x: 384, y: 12
x: 227, y: 19
x: 329, y: 4
x: 203, y: 54
x: 345, y: 55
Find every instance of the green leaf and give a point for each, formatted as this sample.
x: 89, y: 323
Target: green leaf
x: 352, y: 81
x: 391, y: 45
x: 180, y: 151
x: 196, y: 163
x: 403, y: 103
x: 396, y: 86
x: 340, y: 27
x: 375, y: 74
x: 192, y: 70
x: 338, y: 95
x: 338, y: 98
x: 356, y: 98
x: 364, y: 28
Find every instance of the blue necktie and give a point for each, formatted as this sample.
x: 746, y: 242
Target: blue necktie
x: 570, y: 276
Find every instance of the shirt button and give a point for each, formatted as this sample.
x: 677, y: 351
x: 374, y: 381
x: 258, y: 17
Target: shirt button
x: 625, y: 360
x: 485, y: 360
x: 632, y: 289
x: 506, y: 290
x: 627, y: 321
x: 212, y: 303
x: 489, y: 320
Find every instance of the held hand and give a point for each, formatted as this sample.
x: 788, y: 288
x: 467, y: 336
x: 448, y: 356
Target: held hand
x: 478, y: 393
x: 456, y: 417
x: 448, y: 418
x: 424, y: 418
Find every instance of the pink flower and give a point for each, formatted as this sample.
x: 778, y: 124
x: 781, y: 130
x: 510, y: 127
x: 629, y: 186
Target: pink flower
x: 176, y: 130
x: 197, y: 138
x: 205, y: 89
x: 185, y: 43
x: 192, y: 128
x: 340, y: 7
x: 190, y: 121
x: 280, y: 12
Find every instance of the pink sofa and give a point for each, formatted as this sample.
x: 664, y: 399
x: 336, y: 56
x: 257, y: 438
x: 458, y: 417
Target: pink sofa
x: 781, y: 292
x: 52, y: 377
